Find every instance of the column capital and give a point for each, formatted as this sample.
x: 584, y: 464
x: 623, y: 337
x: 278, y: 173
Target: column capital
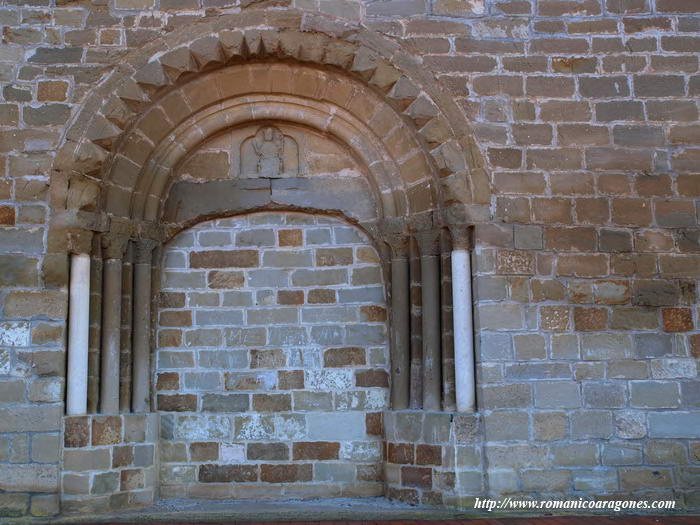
x: 461, y: 236
x: 80, y: 241
x: 114, y: 245
x: 429, y: 241
x: 144, y: 250
x: 395, y: 234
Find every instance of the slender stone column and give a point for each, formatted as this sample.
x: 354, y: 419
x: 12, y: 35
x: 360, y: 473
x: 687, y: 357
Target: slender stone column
x: 400, y: 321
x: 416, y: 384
x: 141, y: 348
x: 156, y: 274
x: 446, y: 331
x: 125, y: 356
x: 78, y: 327
x: 429, y: 242
x: 463, y: 320
x: 113, y: 247
x: 95, y: 325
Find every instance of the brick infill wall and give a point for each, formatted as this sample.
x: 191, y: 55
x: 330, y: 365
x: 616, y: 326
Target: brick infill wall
x: 272, y: 360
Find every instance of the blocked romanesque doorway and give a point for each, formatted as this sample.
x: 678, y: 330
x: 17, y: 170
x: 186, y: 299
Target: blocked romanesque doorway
x: 257, y: 136
x: 272, y: 359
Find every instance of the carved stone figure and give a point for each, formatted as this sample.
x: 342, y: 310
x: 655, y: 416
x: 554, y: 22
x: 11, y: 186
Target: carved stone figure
x: 269, y: 154
x: 268, y: 145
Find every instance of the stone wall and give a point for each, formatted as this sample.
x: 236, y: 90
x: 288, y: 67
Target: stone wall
x: 272, y: 359
x: 109, y: 462
x: 586, y: 114
x: 433, y: 458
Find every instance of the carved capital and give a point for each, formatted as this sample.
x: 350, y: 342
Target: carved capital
x: 461, y: 237
x: 144, y: 250
x: 114, y: 245
x: 395, y: 234
x: 429, y: 241
x: 79, y: 240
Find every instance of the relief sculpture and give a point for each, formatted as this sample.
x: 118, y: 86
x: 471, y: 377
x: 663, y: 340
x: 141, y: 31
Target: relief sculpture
x: 269, y: 154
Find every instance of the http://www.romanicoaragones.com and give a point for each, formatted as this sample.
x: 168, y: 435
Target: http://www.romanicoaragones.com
x: 510, y: 504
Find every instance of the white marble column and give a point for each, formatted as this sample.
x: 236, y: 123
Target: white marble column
x: 78, y: 334
x: 463, y: 321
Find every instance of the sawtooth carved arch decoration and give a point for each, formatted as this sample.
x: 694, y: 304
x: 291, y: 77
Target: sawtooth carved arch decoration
x: 124, y: 116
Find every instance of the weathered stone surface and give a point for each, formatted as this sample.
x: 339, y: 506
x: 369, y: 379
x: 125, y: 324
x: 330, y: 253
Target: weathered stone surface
x: 29, y: 478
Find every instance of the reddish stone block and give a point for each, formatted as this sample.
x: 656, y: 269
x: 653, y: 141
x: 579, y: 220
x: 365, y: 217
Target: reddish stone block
x: 290, y: 297
x: 176, y: 318
x: 211, y: 473
x: 677, y: 319
x: 171, y: 300
x: 374, y: 422
x: 286, y: 473
x: 417, y: 477
x: 370, y: 378
x: 555, y: 210
x: 7, y: 215
x: 694, y: 341
x: 505, y: 157
x: 428, y: 455
x: 272, y: 402
x: 373, y: 314
x: 290, y: 237
x: 224, y: 259
x: 177, y: 402
x: 400, y: 453
x: 77, y: 432
x: 106, y: 430
x: 122, y: 456
x: 590, y: 319
x: 132, y: 479
x: 52, y: 90
x: 321, y: 296
x: 319, y: 450
x: 168, y: 381
x: 200, y: 451
x: 570, y: 239
x: 347, y: 356
x: 633, y: 212
x: 290, y: 379
x: 169, y: 338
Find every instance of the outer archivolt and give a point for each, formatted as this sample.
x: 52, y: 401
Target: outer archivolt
x: 394, y: 162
